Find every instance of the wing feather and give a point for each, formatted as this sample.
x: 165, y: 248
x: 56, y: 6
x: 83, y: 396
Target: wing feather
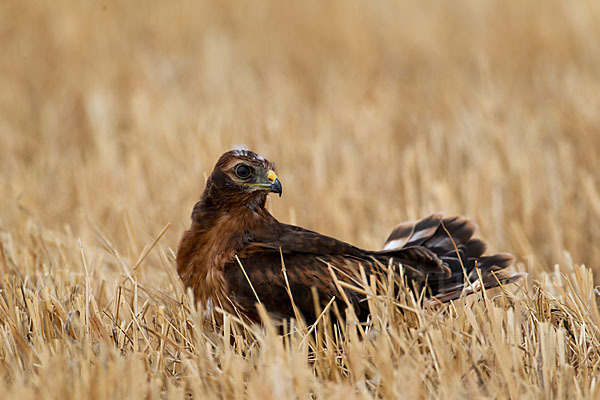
x: 307, y: 257
x: 413, y: 233
x: 436, y: 252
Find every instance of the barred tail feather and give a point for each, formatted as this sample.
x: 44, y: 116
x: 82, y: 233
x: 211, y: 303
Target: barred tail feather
x: 451, y: 240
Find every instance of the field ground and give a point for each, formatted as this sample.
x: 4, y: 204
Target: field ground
x: 113, y: 113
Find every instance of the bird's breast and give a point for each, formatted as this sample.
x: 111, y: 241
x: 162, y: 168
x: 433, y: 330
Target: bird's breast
x: 203, y: 254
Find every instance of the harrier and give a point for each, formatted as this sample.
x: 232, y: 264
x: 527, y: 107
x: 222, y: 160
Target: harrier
x: 234, y: 253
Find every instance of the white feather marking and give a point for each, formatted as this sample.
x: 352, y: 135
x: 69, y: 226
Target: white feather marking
x: 422, y: 233
x: 243, y: 151
x: 208, y: 310
x: 394, y: 244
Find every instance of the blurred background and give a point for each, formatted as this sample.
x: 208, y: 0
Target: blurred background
x: 112, y: 114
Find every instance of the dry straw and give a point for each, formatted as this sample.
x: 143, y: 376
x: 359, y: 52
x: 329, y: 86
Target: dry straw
x: 112, y: 113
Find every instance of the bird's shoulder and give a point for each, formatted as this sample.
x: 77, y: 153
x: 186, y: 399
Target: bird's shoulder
x: 289, y: 239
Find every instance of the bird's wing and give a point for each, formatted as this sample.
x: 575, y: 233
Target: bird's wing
x: 294, y: 239
x: 310, y: 259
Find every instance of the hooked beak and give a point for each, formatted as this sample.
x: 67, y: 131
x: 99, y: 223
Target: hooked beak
x: 272, y: 183
x: 275, y: 184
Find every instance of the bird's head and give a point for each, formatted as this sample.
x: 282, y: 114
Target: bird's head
x: 242, y: 176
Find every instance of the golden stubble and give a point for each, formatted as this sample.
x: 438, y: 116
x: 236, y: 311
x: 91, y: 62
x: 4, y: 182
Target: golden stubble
x: 112, y: 115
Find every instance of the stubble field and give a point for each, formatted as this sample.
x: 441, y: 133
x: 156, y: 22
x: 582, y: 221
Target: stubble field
x: 112, y: 115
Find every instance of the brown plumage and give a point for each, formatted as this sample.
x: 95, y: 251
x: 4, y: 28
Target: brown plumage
x: 230, y: 226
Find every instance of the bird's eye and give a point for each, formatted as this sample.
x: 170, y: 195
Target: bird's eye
x: 242, y: 171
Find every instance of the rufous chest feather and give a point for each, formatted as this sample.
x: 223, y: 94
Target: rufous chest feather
x: 203, y: 253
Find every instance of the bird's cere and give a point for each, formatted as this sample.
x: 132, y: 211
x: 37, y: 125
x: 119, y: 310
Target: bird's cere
x: 271, y: 175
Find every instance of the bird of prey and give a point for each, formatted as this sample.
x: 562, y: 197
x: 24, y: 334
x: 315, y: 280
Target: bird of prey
x: 236, y: 254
